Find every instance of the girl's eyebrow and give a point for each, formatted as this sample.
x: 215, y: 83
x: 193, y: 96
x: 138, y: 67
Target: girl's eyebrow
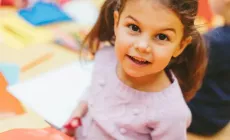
x: 129, y: 16
x: 169, y: 29
x: 163, y: 29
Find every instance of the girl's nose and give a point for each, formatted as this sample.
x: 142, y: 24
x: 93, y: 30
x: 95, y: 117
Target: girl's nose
x: 143, y: 47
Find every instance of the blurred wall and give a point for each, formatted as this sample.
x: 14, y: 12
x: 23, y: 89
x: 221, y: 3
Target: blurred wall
x: 206, y: 19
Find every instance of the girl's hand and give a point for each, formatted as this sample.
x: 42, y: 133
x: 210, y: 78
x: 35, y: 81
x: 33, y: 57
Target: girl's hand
x: 75, y: 121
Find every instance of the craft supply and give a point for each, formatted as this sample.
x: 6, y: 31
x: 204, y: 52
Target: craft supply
x: 36, y: 62
x: 9, y: 105
x: 55, y: 94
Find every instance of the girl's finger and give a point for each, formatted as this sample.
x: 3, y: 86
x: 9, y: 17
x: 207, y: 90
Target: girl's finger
x: 81, y: 110
x: 69, y: 132
x: 75, y: 123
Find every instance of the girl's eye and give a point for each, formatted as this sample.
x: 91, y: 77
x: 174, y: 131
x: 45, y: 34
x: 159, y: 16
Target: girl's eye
x: 134, y: 28
x: 162, y: 37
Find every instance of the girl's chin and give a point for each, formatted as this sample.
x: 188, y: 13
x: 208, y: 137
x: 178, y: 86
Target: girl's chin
x: 135, y: 74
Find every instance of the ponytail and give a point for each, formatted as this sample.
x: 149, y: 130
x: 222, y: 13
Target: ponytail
x: 103, y: 30
x: 190, y: 67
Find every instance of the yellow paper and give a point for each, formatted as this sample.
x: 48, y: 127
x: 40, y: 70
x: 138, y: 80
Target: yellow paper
x: 17, y: 33
x: 28, y: 120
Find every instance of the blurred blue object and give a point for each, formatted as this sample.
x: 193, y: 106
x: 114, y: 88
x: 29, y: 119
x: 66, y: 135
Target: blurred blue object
x: 42, y: 13
x: 10, y: 72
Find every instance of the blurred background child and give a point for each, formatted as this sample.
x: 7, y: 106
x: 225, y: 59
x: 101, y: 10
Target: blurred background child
x: 211, y: 106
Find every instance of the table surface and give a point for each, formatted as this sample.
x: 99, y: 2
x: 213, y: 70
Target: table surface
x: 22, y: 57
x: 60, y: 57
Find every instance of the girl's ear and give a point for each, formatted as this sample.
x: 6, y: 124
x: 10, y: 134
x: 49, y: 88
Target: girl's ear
x: 116, y: 20
x: 182, y: 46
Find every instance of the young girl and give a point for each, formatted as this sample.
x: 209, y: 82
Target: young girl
x: 135, y: 92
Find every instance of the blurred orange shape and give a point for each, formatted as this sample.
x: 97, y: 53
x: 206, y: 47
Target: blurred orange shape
x: 9, y: 105
x: 204, y: 10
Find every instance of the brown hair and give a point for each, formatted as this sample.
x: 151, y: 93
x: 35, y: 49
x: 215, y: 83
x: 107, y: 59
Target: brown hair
x: 189, y: 67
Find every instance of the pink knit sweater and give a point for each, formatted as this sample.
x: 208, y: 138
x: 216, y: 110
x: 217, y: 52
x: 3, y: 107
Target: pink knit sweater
x: 119, y: 112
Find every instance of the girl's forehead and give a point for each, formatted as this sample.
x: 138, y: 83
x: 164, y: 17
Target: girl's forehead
x: 151, y: 5
x: 163, y: 2
x: 151, y: 12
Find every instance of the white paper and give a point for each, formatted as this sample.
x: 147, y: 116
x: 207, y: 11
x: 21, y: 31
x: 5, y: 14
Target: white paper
x: 83, y: 12
x: 54, y: 95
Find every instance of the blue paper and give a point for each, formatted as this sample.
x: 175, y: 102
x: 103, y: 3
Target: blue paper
x: 43, y: 13
x: 10, y: 72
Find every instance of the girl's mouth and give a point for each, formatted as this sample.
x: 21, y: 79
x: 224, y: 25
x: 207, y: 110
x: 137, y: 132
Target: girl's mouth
x: 138, y: 61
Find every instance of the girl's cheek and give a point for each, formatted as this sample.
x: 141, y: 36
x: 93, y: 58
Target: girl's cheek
x: 162, y: 57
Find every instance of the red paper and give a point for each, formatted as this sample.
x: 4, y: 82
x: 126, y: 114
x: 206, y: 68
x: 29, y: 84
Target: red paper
x: 7, y: 2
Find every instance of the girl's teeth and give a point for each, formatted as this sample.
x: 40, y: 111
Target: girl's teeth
x: 138, y: 60
x: 142, y: 60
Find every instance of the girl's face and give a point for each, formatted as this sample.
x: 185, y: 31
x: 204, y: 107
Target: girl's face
x: 148, y: 35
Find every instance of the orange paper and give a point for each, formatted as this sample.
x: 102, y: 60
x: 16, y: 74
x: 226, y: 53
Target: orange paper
x: 9, y: 105
x: 34, y: 134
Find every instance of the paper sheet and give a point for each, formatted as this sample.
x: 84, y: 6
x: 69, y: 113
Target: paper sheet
x: 18, y: 34
x: 10, y: 72
x: 9, y: 105
x: 54, y: 95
